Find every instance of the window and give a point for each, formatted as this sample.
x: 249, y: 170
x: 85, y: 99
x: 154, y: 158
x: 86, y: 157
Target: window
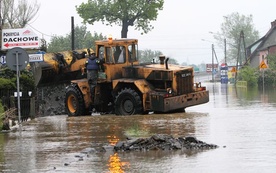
x: 132, y: 56
x: 109, y: 57
x: 122, y: 56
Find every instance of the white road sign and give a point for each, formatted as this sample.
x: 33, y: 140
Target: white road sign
x: 3, y: 59
x: 35, y: 57
x: 22, y: 37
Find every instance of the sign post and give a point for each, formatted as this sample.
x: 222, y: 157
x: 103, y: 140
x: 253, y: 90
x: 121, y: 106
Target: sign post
x: 224, y: 73
x: 263, y: 66
x: 15, y: 41
x: 17, y: 60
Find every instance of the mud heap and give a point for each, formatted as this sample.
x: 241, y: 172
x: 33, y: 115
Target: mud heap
x: 50, y: 100
x: 162, y: 142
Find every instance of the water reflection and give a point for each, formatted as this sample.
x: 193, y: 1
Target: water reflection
x: 116, y: 165
x: 241, y: 119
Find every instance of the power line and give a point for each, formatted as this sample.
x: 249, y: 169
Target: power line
x: 43, y: 34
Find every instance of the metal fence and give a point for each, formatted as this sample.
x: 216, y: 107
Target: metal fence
x: 9, y: 101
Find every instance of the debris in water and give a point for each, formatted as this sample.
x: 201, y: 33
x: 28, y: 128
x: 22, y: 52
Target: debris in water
x: 162, y: 142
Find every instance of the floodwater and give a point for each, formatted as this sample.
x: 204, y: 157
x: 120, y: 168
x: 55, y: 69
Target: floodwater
x: 242, y: 122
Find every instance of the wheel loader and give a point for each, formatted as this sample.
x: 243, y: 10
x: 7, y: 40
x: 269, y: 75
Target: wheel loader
x: 124, y: 86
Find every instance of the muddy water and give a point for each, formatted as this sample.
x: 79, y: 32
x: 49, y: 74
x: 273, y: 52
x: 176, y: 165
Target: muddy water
x: 241, y: 121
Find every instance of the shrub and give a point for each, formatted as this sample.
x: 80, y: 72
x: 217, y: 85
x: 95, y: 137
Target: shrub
x: 7, y: 84
x: 248, y: 74
x: 269, y: 78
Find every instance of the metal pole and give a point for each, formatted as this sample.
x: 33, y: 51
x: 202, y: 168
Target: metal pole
x: 18, y: 91
x: 225, y: 51
x: 212, y: 62
x: 1, y: 22
x: 263, y: 80
x: 0, y: 15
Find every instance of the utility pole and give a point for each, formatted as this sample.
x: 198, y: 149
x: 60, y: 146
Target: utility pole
x: 225, y: 51
x: 239, y: 58
x: 212, y: 62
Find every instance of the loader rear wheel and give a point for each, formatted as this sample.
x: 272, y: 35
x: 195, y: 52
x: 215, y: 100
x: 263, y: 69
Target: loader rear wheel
x: 128, y: 102
x: 74, y: 102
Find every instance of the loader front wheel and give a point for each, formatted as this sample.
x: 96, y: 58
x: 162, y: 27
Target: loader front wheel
x: 74, y: 102
x: 128, y: 102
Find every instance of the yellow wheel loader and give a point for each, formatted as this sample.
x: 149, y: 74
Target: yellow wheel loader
x: 124, y: 86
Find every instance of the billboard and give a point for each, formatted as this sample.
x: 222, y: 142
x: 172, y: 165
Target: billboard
x: 22, y: 37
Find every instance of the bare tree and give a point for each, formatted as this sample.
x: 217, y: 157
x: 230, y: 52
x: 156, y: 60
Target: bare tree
x: 16, y: 14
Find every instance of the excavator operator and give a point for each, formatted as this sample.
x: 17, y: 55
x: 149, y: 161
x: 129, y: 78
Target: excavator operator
x: 92, y: 67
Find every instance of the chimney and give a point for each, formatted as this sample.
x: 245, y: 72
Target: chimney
x: 273, y: 24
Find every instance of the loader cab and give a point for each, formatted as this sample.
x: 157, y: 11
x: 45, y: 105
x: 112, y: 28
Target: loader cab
x: 117, y: 54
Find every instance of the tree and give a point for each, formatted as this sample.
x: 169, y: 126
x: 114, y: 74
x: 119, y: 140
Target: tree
x: 149, y: 56
x: 125, y: 13
x: 16, y: 14
x: 202, y: 66
x: 230, y: 30
x: 172, y: 61
x: 83, y: 39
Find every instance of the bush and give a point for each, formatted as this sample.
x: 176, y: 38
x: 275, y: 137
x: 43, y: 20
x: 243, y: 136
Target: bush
x: 249, y: 75
x: 269, y: 78
x: 8, y: 80
x: 27, y: 82
x: 7, y: 84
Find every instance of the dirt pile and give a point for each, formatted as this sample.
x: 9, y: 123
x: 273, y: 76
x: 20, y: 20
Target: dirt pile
x: 162, y: 142
x: 50, y: 100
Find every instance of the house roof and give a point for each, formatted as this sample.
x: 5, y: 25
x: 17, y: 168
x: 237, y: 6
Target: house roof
x: 258, y: 45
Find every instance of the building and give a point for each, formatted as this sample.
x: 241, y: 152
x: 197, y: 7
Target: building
x: 263, y: 47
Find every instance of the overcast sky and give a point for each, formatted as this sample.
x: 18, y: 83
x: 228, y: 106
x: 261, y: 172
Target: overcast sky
x: 179, y: 29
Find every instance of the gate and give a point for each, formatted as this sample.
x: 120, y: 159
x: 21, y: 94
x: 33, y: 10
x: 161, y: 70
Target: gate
x: 26, y: 103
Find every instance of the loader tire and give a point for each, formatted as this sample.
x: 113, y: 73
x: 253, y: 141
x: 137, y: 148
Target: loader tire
x: 74, y: 102
x: 128, y: 102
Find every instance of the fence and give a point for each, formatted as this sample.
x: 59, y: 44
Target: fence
x: 26, y: 103
x: 242, y: 84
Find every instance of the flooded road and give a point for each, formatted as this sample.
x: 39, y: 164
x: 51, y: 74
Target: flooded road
x: 242, y: 122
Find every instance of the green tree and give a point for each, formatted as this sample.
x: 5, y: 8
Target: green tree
x: 150, y: 56
x: 83, y: 39
x: 125, y: 13
x: 172, y: 61
x: 230, y: 30
x: 202, y: 67
x: 59, y: 43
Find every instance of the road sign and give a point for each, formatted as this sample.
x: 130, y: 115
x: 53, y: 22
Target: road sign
x: 17, y: 57
x: 3, y: 59
x: 233, y: 70
x: 36, y: 57
x: 22, y: 37
x: 263, y: 65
